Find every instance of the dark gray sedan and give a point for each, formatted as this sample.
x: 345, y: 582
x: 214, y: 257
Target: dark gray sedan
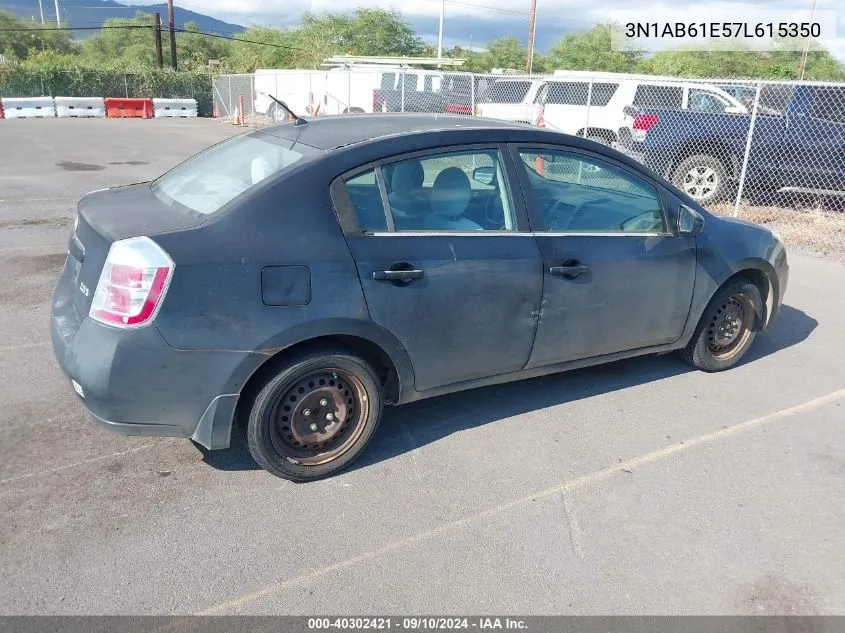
x: 294, y: 280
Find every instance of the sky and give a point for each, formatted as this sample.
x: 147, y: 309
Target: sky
x: 474, y: 22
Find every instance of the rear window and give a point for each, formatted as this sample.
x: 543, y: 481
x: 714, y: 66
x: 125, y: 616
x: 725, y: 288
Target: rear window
x: 650, y: 96
x: 216, y: 176
x: 773, y: 98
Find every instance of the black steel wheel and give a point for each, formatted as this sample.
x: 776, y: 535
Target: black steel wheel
x: 315, y: 416
x: 726, y: 328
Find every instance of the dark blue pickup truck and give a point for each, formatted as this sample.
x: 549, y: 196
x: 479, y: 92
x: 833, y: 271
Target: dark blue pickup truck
x: 798, y: 144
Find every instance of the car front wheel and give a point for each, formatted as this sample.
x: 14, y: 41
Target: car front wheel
x: 727, y: 328
x: 315, y: 416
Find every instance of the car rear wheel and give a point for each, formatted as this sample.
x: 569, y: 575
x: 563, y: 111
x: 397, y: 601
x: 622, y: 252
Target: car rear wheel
x: 315, y: 416
x: 703, y: 178
x: 278, y: 114
x: 727, y: 328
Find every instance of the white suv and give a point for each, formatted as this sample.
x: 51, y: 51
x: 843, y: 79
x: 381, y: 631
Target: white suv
x: 564, y: 105
x: 511, y: 99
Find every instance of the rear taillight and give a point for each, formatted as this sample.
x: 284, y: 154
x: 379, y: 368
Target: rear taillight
x: 642, y: 124
x: 645, y: 122
x: 132, y: 284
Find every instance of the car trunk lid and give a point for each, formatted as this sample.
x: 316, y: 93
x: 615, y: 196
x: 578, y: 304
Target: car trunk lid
x: 110, y: 215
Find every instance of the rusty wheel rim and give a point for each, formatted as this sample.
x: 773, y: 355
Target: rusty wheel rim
x: 730, y: 327
x: 319, y: 417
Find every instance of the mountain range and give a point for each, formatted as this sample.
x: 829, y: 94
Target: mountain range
x: 92, y: 13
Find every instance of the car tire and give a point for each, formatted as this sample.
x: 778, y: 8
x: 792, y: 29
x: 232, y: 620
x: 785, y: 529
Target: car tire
x: 315, y: 416
x: 278, y: 114
x: 727, y: 327
x: 702, y: 177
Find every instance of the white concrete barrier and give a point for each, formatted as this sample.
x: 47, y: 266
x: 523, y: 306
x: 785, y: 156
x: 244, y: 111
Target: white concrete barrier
x: 175, y: 107
x: 22, y: 108
x: 80, y: 107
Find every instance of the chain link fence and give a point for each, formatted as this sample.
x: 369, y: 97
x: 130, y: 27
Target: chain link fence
x: 86, y: 82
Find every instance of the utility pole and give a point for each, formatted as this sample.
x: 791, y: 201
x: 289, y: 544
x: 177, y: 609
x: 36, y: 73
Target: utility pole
x: 58, y: 17
x: 803, y: 62
x: 440, y: 36
x: 172, y: 33
x: 41, y: 9
x: 532, y: 27
x: 157, y: 27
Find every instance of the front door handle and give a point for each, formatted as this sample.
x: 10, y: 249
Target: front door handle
x: 398, y: 275
x: 570, y: 272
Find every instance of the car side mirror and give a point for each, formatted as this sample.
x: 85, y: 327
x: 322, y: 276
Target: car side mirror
x: 484, y: 175
x: 690, y: 221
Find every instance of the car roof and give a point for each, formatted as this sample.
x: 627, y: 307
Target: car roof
x: 332, y: 132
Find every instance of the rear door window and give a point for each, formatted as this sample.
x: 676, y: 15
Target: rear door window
x: 365, y: 195
x: 602, y: 94
x: 829, y: 105
x: 567, y: 93
x: 651, y: 96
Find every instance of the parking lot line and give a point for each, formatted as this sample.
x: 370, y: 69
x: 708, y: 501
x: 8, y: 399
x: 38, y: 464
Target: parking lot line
x: 75, y: 464
x: 567, y: 486
x: 24, y: 346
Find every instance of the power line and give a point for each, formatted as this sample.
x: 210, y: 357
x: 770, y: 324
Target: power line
x: 78, y: 28
x: 239, y: 39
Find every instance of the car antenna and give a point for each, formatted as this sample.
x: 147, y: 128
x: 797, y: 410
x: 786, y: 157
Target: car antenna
x: 297, y: 120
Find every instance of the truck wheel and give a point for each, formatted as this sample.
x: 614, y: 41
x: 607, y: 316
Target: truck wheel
x: 727, y: 327
x: 315, y: 416
x: 703, y: 178
x: 278, y: 114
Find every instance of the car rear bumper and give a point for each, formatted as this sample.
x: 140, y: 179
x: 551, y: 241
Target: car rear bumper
x: 134, y: 383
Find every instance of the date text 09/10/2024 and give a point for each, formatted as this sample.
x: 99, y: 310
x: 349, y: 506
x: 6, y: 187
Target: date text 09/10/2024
x: 716, y: 30
x: 417, y: 623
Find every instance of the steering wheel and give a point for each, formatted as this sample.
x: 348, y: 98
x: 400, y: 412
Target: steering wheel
x: 559, y: 215
x: 493, y: 212
x: 579, y: 210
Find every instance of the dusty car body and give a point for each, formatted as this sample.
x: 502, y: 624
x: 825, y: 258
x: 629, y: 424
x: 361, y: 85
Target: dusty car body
x: 295, y: 279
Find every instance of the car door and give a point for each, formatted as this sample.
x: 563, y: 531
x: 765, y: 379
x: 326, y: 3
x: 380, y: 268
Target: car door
x: 816, y: 135
x: 447, y: 262
x: 565, y: 105
x: 616, y: 277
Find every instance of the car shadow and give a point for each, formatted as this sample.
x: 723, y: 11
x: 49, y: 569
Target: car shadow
x: 410, y: 426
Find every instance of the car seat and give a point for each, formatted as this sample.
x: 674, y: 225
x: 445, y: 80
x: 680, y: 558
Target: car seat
x: 406, y: 196
x: 450, y: 198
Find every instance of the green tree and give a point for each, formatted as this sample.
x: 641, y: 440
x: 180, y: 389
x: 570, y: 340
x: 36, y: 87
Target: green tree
x: 260, y: 47
x: 194, y: 50
x: 119, y: 46
x: 24, y: 39
x: 505, y: 52
x: 591, y: 50
x: 360, y: 32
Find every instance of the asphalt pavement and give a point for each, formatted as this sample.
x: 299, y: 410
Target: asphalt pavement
x: 639, y: 487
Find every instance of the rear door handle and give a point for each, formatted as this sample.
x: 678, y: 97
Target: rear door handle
x: 570, y: 272
x: 398, y: 275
